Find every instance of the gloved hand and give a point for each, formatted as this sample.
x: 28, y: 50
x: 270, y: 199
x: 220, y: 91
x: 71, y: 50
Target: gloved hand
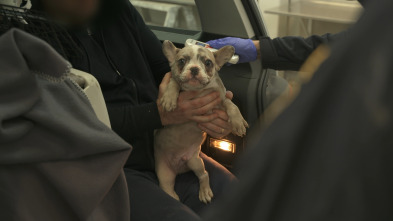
x: 245, y: 48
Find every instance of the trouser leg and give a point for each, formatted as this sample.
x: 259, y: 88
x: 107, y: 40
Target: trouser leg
x: 149, y: 202
x: 187, y: 185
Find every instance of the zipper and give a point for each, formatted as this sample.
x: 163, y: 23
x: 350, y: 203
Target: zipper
x: 105, y: 50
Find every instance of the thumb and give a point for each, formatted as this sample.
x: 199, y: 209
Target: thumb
x: 165, y: 82
x: 229, y: 95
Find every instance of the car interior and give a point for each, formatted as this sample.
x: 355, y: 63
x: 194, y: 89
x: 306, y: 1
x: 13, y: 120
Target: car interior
x: 254, y: 87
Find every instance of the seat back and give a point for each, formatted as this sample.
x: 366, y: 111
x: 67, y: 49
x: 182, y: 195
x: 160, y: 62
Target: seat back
x: 92, y: 89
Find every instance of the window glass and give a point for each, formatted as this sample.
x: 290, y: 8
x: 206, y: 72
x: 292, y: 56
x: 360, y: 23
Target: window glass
x: 179, y: 14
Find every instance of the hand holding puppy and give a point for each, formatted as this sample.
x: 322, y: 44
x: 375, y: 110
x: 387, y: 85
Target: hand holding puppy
x: 219, y: 127
x: 188, y: 107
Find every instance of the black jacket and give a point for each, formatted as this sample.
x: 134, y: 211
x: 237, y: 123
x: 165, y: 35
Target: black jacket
x: 289, y: 53
x: 127, y: 60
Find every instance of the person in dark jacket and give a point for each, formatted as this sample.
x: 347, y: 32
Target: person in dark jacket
x: 127, y: 60
x: 286, y: 53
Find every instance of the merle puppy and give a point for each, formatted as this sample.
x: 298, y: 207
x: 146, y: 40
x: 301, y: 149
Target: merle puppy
x: 177, y: 147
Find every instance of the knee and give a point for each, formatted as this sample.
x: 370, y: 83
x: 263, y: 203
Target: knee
x: 221, y: 179
x: 134, y: 176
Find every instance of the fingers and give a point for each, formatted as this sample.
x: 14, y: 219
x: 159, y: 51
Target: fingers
x: 210, y: 132
x: 213, y: 130
x: 219, y: 127
x: 213, y: 127
x: 219, y: 43
x: 205, y: 109
x: 200, y: 106
x: 202, y: 101
x: 204, y: 118
x: 222, y: 114
x: 188, y: 95
x: 200, y: 109
x: 191, y: 95
x: 218, y: 124
x: 229, y: 95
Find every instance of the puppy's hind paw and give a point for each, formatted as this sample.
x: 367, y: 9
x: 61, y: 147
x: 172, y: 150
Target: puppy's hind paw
x: 239, y: 127
x: 175, y: 196
x: 168, y: 104
x: 205, y: 195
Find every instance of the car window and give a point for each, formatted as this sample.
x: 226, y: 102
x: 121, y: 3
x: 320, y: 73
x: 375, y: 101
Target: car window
x: 179, y: 14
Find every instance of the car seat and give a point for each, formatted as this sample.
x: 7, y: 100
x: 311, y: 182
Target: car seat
x: 92, y: 89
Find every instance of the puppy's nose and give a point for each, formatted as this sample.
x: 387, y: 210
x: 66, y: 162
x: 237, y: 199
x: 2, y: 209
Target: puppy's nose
x: 194, y: 71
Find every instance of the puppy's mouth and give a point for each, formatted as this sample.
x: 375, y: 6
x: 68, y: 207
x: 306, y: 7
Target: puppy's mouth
x: 195, y: 81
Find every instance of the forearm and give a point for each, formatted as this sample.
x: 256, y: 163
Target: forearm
x: 289, y: 53
x: 128, y: 121
x: 257, y: 44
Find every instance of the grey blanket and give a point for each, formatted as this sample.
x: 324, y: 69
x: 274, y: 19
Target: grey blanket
x: 57, y: 160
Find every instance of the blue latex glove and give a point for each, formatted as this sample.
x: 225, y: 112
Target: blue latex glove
x: 245, y: 48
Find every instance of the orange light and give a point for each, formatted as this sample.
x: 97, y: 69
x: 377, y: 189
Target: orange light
x: 224, y: 145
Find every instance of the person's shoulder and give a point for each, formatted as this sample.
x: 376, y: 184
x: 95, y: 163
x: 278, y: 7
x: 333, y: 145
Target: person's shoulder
x: 127, y: 7
x: 120, y: 8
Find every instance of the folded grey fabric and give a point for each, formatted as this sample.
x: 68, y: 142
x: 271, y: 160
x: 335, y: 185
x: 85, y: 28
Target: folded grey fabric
x: 57, y: 160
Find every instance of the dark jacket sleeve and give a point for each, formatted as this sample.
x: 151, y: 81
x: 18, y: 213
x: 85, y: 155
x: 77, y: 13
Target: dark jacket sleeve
x: 289, y: 53
x: 152, y: 47
x: 136, y: 120
x: 130, y: 121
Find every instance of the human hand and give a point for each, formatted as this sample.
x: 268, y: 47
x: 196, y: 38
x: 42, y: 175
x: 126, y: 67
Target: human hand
x: 219, y: 127
x: 247, y: 49
x: 189, y: 108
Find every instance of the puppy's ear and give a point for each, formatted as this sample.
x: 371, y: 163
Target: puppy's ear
x: 224, y: 55
x: 170, y: 51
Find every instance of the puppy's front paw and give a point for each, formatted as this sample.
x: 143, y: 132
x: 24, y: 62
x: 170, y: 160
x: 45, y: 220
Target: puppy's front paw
x: 205, y: 194
x: 169, y: 101
x: 239, y: 126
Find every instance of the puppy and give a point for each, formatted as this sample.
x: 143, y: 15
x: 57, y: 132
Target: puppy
x: 177, y: 147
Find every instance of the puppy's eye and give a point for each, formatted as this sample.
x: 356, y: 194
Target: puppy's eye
x: 208, y: 63
x: 182, y: 61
